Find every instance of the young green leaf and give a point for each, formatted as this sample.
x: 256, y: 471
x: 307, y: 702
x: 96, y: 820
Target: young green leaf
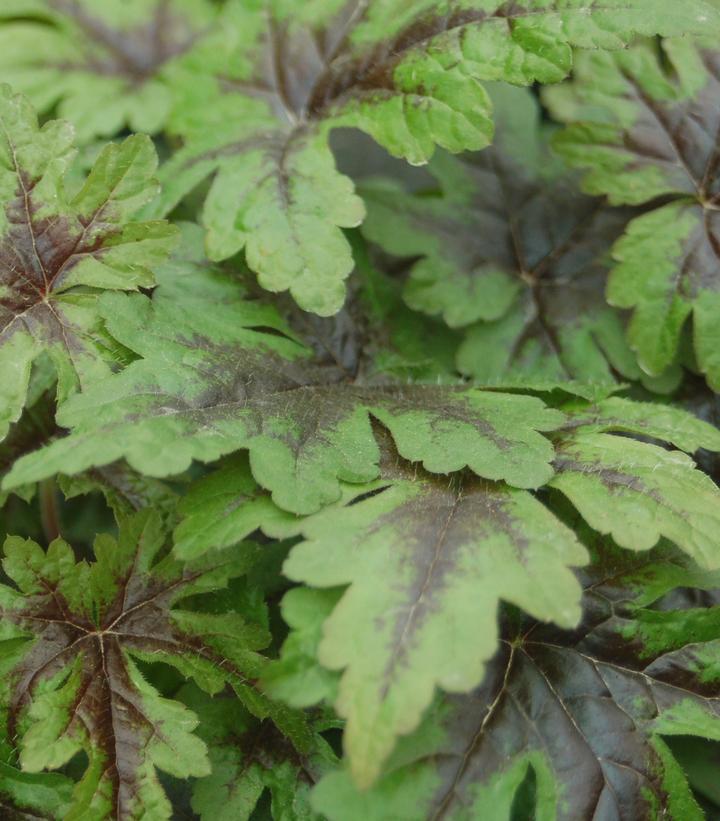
x: 510, y: 248
x: 427, y: 562
x: 214, y: 382
x: 104, y: 65
x: 295, y: 677
x: 256, y: 104
x: 71, y: 671
x: 223, y: 508
x: 585, y: 711
x: 646, y: 126
x: 57, y: 251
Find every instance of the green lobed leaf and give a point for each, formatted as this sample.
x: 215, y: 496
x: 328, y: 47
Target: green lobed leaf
x: 73, y: 635
x: 665, y: 423
x: 638, y: 492
x: 256, y: 103
x: 31, y: 795
x: 584, y: 711
x: 596, y: 462
x: 635, y: 491
x: 295, y: 677
x: 104, y: 66
x: 215, y: 382
x: 427, y: 562
x: 645, y: 125
x: 427, y: 584
x: 58, y: 251
x: 223, y: 508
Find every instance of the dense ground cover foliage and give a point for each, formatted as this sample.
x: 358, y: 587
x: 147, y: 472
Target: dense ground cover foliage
x: 358, y: 430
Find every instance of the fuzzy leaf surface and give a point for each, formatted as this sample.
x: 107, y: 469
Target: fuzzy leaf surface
x: 647, y: 127
x: 256, y: 105
x: 584, y: 710
x: 636, y: 491
x: 31, y: 795
x: 641, y: 490
x: 103, y: 66
x: 58, y: 251
x: 74, y: 633
x: 217, y: 382
x: 662, y: 422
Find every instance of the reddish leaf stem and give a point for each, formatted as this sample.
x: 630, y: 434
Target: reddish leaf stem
x: 49, y: 509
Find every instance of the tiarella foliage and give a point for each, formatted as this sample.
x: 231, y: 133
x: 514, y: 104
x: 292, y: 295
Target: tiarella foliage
x: 60, y: 248
x: 434, y: 534
x: 257, y: 103
x: 105, y: 65
x: 428, y: 560
x: 510, y: 232
x: 586, y: 711
x: 648, y: 130
x: 250, y: 759
x: 75, y: 633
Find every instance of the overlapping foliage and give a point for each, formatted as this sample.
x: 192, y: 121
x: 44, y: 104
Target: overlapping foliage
x: 433, y: 534
x: 648, y: 133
